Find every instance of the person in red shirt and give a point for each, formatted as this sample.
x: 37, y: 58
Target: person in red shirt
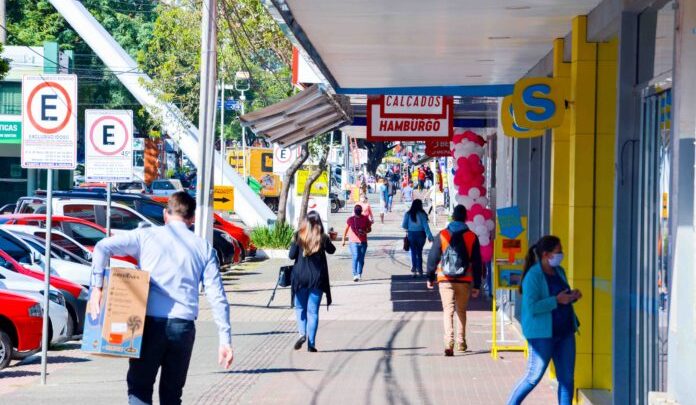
x: 421, y: 178
x: 357, y: 228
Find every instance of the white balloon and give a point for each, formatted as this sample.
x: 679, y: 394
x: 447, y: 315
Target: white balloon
x: 460, y: 198
x: 480, y: 230
x: 474, y: 193
x: 482, y: 201
x: 490, y: 224
x: 467, y: 202
x: 470, y: 225
x: 479, y: 220
x: 484, y: 240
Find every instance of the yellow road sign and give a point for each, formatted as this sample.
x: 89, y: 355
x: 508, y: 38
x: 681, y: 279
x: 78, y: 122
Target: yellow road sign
x: 223, y: 198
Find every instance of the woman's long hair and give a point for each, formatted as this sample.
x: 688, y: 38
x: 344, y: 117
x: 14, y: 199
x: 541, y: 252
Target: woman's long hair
x: 310, y: 234
x: 546, y: 244
x: 416, y: 207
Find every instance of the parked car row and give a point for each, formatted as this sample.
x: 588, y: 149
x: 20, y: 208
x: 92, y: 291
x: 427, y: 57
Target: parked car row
x: 78, y: 224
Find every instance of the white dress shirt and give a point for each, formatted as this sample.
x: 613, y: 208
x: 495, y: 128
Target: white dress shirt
x: 177, y: 261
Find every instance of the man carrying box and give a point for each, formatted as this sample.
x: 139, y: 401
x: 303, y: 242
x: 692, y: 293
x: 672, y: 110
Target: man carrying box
x: 177, y: 261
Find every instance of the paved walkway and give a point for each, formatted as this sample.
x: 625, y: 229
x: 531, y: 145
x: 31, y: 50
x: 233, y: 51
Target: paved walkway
x: 380, y: 343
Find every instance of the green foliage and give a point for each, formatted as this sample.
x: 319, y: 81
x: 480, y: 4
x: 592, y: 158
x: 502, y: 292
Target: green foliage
x: 278, y: 236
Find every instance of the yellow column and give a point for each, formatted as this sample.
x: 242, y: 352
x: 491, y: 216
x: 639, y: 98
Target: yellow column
x: 579, y: 246
x: 560, y: 152
x: 602, y: 320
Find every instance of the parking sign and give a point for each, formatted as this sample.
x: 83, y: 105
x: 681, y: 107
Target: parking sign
x: 284, y: 157
x: 108, y: 146
x: 49, y: 122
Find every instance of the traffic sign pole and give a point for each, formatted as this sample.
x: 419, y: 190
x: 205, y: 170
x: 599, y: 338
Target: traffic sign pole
x: 47, y: 275
x: 108, y: 209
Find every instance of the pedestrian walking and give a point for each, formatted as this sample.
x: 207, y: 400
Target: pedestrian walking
x: 407, y: 193
x: 357, y: 228
x: 455, y: 264
x: 391, y: 189
x: 177, y: 261
x: 366, y: 208
x: 310, y: 277
x: 383, y: 192
x: 548, y: 320
x: 415, y: 223
x: 421, y: 178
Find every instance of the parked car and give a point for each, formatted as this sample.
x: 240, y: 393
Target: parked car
x: 21, y: 322
x: 165, y: 187
x: 60, y: 328
x: 63, y: 263
x: 16, y: 257
x: 134, y: 187
x: 8, y: 208
x: 73, y: 234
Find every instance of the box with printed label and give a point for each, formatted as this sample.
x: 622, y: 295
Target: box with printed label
x: 118, y: 330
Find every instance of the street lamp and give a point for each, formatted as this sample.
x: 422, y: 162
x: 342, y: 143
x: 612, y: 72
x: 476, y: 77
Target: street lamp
x: 242, y: 83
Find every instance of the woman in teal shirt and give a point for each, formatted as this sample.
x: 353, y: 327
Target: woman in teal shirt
x: 548, y: 320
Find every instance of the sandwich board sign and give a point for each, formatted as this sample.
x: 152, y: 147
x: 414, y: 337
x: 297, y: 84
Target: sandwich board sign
x: 49, y: 122
x: 108, y: 146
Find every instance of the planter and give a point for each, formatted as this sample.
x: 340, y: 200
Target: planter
x: 272, y: 253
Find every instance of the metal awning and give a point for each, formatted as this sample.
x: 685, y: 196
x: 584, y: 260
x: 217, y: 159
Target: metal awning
x: 295, y: 120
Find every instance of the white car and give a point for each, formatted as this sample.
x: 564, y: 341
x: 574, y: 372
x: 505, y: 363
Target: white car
x: 80, y: 253
x: 62, y: 262
x: 61, y: 330
x: 166, y: 187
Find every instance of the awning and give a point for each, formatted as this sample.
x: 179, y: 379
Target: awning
x: 308, y: 113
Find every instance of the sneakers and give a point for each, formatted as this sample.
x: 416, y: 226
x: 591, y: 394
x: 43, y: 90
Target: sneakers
x: 300, y: 342
x: 461, y: 347
x: 312, y: 349
x: 356, y: 278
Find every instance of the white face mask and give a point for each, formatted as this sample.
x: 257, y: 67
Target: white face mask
x: 556, y: 259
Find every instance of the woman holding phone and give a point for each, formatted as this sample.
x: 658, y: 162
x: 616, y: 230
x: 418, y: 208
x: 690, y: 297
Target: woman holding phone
x: 548, y: 320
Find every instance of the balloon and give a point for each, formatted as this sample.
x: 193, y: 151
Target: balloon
x: 484, y: 240
x: 460, y: 199
x: 470, y: 225
x: 474, y: 192
x: 467, y: 202
x: 490, y: 224
x: 482, y: 201
x: 479, y: 220
x: 486, y: 252
x: 480, y: 230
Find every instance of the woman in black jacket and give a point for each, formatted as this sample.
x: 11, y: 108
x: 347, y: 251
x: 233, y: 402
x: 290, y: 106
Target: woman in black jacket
x: 310, y: 276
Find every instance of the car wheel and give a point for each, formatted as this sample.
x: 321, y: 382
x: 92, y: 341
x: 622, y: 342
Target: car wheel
x: 5, y: 349
x: 334, y: 206
x: 70, y: 326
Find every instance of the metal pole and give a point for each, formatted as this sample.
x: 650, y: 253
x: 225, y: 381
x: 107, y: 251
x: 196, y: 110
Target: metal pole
x: 108, y: 209
x: 47, y: 275
x: 244, y: 172
x: 223, y: 153
x: 206, y: 121
x: 3, y: 21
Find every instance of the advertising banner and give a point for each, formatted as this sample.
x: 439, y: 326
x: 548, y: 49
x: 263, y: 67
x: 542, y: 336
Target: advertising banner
x: 410, y: 118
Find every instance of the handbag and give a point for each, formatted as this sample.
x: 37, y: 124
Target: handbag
x: 285, y: 276
x: 407, y: 244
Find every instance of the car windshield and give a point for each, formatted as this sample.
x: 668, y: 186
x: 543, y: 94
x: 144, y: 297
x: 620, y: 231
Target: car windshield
x: 14, y: 249
x: 152, y: 211
x: 56, y: 252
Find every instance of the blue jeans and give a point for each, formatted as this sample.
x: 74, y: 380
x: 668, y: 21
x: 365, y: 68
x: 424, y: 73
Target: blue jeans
x: 416, y: 240
x: 358, y: 250
x: 562, y: 351
x: 167, y: 344
x: 307, y: 303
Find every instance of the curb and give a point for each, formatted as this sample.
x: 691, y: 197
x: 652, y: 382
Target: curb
x: 272, y: 254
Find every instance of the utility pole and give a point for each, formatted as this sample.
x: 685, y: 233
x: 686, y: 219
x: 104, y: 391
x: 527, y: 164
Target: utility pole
x: 206, y: 121
x: 242, y: 98
x: 223, y: 150
x: 3, y: 21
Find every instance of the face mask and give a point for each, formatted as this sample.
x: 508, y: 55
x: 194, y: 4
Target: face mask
x: 556, y: 259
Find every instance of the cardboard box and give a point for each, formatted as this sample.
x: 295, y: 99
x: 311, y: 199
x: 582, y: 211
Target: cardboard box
x: 118, y: 331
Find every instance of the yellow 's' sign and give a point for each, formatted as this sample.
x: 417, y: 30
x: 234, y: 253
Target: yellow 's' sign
x: 536, y: 104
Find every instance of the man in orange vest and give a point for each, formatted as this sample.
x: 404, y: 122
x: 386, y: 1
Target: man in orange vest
x: 455, y: 264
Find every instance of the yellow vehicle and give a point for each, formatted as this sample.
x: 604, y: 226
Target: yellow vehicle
x: 259, y: 167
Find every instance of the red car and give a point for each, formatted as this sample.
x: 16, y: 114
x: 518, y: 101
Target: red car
x: 85, y: 232
x: 20, y: 325
x: 75, y: 295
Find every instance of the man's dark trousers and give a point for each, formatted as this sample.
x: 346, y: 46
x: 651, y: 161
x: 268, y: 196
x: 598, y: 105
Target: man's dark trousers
x: 167, y: 343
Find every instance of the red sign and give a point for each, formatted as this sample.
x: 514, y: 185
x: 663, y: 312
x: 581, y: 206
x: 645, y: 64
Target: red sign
x: 410, y: 118
x: 438, y: 148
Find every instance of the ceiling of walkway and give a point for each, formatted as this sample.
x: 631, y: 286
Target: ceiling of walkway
x: 415, y: 43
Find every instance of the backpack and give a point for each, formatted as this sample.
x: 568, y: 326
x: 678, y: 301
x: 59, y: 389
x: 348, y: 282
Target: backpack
x: 455, y: 259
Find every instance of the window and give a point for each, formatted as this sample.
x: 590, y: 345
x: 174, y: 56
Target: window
x: 152, y: 211
x: 62, y: 241
x: 82, y: 211
x: 83, y: 234
x: 15, y: 250
x: 163, y: 185
x: 124, y: 219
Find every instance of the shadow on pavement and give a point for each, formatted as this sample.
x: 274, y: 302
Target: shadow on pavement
x: 273, y: 332
x: 18, y: 373
x: 54, y: 359
x: 268, y: 371
x: 411, y: 295
x: 373, y: 349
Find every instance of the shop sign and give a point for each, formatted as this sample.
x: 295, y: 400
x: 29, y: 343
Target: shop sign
x: 537, y: 104
x: 438, y: 148
x: 510, y: 246
x: 409, y: 118
x: 49, y: 122
x: 320, y: 188
x: 10, y: 129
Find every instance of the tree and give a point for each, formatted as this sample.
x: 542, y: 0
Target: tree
x: 320, y: 145
x: 288, y: 179
x: 376, y: 151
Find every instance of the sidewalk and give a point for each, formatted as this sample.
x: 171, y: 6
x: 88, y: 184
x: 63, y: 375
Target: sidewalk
x: 380, y: 343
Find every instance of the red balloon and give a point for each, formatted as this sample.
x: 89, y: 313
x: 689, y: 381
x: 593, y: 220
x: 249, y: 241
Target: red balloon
x: 487, y: 252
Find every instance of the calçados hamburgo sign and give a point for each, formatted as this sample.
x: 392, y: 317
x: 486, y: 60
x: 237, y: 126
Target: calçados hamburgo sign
x: 410, y: 118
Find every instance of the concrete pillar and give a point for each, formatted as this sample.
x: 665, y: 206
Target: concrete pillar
x: 682, y: 328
